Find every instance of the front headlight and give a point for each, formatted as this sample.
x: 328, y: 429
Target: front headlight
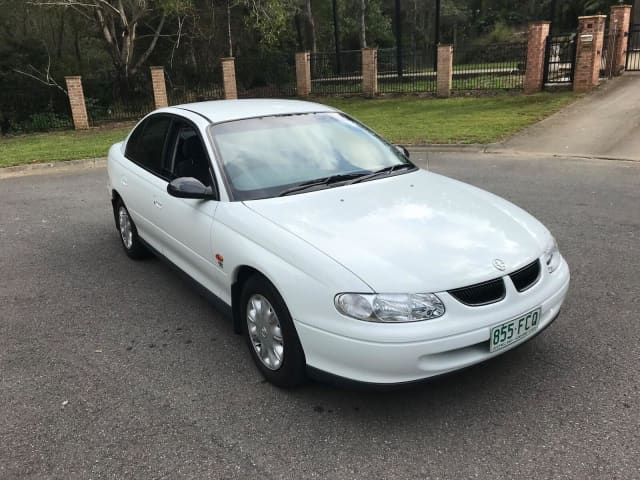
x: 390, y: 308
x: 552, y: 257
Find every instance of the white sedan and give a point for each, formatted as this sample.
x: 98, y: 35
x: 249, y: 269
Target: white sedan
x: 329, y: 249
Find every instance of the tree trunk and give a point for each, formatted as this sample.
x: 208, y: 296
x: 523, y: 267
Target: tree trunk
x: 229, y: 28
x: 61, y: 35
x: 312, y: 26
x: 363, y: 24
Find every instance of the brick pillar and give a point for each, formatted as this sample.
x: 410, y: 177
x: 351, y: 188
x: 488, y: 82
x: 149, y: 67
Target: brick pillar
x: 445, y: 71
x: 536, y: 50
x: 159, y: 87
x: 369, y: 72
x: 303, y: 74
x: 229, y: 78
x: 76, y: 100
x: 619, y: 22
x: 589, y: 53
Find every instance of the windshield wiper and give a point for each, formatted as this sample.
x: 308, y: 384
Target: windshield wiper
x: 383, y: 171
x: 330, y: 180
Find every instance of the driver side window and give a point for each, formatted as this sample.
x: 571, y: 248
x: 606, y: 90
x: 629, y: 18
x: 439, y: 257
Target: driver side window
x: 189, y: 157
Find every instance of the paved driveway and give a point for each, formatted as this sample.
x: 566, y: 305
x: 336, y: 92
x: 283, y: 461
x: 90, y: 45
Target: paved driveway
x: 115, y: 369
x: 605, y: 124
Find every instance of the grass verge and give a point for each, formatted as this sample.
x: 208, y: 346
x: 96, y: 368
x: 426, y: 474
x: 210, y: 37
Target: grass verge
x: 411, y: 120
x: 407, y: 120
x: 60, y: 145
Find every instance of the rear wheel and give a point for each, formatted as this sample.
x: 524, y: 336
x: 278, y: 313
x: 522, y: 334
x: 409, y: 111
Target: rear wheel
x: 131, y: 243
x: 271, y: 336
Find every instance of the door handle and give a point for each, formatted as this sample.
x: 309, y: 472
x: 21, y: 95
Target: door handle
x: 157, y: 203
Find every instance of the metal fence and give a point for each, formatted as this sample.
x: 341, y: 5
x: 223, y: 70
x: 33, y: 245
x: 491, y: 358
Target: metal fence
x: 266, y: 75
x: 633, y: 49
x: 411, y: 72
x: 29, y: 106
x: 498, y: 66
x: 560, y: 59
x: 332, y: 74
x: 186, y: 84
x: 110, y: 100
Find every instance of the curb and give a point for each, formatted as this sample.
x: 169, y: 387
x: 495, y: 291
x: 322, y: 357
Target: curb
x: 51, y: 167
x: 496, y: 150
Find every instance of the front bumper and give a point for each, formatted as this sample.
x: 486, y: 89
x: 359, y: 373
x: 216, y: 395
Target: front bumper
x: 457, y: 340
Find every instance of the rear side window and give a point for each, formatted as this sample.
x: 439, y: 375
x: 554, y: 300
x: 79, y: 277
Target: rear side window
x: 146, y: 143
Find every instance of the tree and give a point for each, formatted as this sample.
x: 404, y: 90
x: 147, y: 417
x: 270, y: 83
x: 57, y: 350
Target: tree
x: 363, y: 24
x: 311, y: 24
x: 118, y: 22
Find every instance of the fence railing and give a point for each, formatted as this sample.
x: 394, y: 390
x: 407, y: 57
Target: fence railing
x: 415, y: 75
x: 111, y: 100
x: 332, y: 75
x: 186, y: 84
x: 29, y: 106
x: 499, y: 66
x: 267, y: 75
x: 633, y: 49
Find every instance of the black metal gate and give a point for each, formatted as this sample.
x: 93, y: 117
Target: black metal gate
x: 560, y: 59
x: 633, y: 49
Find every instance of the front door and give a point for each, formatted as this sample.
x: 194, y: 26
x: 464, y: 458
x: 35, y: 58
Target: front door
x: 187, y: 224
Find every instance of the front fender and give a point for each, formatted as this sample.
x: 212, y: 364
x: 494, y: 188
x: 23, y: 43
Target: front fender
x: 306, y: 278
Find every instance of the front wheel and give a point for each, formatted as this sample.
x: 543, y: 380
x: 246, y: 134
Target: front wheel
x: 271, y: 336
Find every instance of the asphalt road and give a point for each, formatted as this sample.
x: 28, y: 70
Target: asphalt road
x: 117, y: 369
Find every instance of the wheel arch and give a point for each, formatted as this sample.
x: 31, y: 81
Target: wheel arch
x: 241, y: 274
x: 115, y: 198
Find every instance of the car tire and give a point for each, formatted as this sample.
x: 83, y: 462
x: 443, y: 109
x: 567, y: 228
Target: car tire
x: 270, y: 334
x: 129, y: 238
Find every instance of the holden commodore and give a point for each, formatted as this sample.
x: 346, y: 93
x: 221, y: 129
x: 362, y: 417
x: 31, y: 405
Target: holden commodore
x: 329, y: 249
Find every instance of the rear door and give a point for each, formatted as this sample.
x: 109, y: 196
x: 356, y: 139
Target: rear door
x: 145, y: 176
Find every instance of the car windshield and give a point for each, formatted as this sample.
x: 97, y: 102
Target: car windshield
x: 278, y: 155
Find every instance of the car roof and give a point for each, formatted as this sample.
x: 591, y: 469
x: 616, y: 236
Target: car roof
x: 225, y: 110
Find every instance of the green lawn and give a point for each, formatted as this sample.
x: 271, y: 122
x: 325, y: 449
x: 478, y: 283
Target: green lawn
x: 411, y: 120
x: 407, y: 120
x: 59, y: 145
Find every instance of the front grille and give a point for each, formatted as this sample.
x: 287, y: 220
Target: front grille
x: 481, y: 293
x: 526, y: 277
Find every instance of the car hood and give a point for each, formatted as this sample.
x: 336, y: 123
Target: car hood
x: 417, y: 232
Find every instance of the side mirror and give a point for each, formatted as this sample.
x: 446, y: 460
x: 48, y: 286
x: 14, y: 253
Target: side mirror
x: 403, y: 150
x: 189, y: 187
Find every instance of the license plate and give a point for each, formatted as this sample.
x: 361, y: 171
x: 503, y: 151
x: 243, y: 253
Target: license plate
x: 514, y: 330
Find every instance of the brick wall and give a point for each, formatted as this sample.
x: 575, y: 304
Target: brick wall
x: 229, y: 78
x: 536, y: 49
x: 589, y: 53
x: 76, y: 100
x: 369, y: 72
x: 303, y: 74
x: 445, y: 71
x: 159, y: 87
